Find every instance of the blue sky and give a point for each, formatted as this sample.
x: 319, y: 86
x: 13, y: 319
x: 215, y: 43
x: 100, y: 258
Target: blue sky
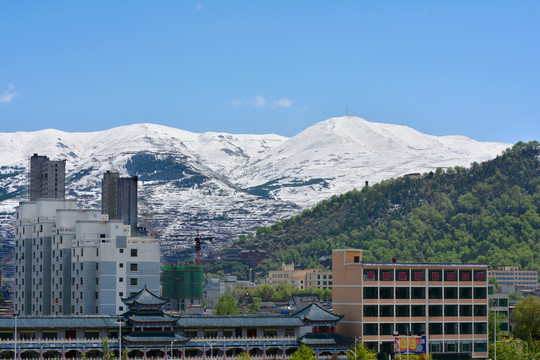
x: 442, y: 67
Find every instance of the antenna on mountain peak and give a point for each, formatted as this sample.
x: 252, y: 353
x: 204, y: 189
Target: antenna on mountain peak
x: 346, y: 109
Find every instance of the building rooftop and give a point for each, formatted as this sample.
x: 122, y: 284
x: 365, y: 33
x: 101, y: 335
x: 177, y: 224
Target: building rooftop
x: 239, y: 320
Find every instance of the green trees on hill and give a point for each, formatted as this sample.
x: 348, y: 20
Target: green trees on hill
x: 488, y: 213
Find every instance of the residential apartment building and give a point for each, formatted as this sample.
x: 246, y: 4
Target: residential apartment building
x: 119, y: 198
x: 301, y: 279
x: 508, y: 276
x: 47, y: 178
x: 447, y: 303
x: 70, y: 261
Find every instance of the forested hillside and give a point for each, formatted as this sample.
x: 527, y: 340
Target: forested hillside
x: 488, y: 213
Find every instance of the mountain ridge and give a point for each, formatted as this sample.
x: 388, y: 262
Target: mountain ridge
x: 227, y: 184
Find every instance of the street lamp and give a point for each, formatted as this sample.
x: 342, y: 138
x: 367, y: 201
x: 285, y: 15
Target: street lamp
x: 120, y: 322
x: 355, y: 341
x: 15, y: 337
x: 211, y: 350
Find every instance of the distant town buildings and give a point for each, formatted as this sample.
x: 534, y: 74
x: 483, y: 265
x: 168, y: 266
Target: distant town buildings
x: 510, y: 276
x: 382, y: 302
x: 301, y: 279
x: 71, y: 261
x: 47, y: 178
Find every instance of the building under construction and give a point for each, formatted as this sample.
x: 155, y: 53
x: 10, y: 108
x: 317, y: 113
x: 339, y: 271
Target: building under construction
x: 182, y: 284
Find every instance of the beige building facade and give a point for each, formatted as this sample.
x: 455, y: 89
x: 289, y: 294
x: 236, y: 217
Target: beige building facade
x: 301, y: 279
x: 447, y: 303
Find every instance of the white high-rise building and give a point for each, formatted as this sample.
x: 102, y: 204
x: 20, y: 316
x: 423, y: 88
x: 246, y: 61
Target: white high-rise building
x: 73, y: 261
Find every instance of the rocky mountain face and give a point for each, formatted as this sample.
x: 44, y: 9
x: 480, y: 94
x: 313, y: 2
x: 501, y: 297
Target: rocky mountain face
x: 226, y: 184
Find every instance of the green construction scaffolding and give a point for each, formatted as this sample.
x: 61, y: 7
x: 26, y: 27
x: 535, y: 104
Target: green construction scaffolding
x: 181, y: 281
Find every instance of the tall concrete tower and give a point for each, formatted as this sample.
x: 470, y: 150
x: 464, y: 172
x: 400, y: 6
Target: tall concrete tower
x: 119, y: 198
x: 47, y: 178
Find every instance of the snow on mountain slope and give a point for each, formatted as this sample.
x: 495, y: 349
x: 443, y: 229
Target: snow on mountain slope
x: 227, y: 184
x: 339, y: 154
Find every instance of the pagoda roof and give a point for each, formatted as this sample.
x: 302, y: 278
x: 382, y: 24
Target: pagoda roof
x: 315, y: 312
x: 144, y: 297
x: 151, y: 317
x: 325, y: 339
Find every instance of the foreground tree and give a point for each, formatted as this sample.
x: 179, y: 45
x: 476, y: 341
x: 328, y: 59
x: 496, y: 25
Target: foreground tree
x: 513, y: 349
x: 227, y: 305
x: 361, y: 353
x: 303, y: 353
x: 526, y: 318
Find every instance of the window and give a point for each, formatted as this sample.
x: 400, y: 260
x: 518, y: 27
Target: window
x: 465, y: 293
x: 402, y: 310
x: 133, y: 267
x: 435, y: 275
x: 418, y: 293
x: 403, y: 275
x: 357, y: 259
x: 451, y: 310
x: 418, y: 310
x: 450, y: 275
x: 121, y: 265
x: 465, y: 310
x: 480, y: 275
x: 387, y: 275
x: 451, y: 293
x: 465, y: 328
x: 133, y: 252
x: 402, y: 293
x: 133, y: 281
x: 371, y: 329
x: 387, y: 310
x: 418, y: 275
x: 435, y: 328
x: 480, y: 293
x: 386, y: 293
x: 370, y: 293
x: 435, y: 293
x: 371, y: 311
x: 370, y: 275
x: 121, y: 279
x: 435, y: 310
x: 480, y: 310
x: 480, y: 328
x: 465, y: 275
x: 451, y: 328
x: 480, y: 346
x: 387, y: 329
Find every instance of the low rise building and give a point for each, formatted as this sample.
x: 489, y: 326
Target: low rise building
x: 301, y: 278
x: 511, y: 276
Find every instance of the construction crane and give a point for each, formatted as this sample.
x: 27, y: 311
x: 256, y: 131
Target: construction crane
x: 198, y: 246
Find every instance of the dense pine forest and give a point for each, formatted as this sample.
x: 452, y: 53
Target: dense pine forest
x: 488, y: 213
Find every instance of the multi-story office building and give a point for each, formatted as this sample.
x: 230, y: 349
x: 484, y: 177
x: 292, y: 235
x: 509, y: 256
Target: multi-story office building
x: 508, y: 276
x: 77, y: 262
x: 447, y: 303
x: 47, y: 178
x: 119, y: 198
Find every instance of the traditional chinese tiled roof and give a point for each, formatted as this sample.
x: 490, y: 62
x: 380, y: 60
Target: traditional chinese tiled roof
x: 142, y: 317
x: 41, y: 322
x: 153, y: 337
x: 316, y: 313
x: 325, y: 339
x: 238, y: 321
x: 144, y: 297
x: 300, y: 301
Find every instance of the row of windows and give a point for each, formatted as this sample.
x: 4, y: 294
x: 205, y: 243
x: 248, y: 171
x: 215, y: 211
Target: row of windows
x: 420, y: 293
x: 419, y: 275
x: 434, y: 328
x: 464, y: 346
x: 420, y: 310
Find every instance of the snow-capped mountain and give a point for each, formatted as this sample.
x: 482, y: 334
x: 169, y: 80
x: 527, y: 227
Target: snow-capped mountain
x: 227, y: 184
